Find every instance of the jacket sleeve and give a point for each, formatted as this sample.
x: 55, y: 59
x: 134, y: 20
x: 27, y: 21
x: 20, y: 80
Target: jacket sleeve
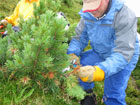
x: 80, y: 41
x: 125, y: 25
x: 12, y: 19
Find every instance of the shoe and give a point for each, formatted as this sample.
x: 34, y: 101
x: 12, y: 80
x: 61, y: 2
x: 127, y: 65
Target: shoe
x: 89, y: 99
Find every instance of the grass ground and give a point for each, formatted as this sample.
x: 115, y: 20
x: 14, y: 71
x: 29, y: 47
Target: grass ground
x: 7, y: 7
x: 133, y: 89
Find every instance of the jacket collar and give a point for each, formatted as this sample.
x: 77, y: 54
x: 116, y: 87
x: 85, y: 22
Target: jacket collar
x: 115, y: 6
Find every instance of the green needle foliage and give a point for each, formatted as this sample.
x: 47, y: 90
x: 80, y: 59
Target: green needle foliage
x: 36, y: 55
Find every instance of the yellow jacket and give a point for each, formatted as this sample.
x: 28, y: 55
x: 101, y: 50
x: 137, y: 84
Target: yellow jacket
x: 23, y: 9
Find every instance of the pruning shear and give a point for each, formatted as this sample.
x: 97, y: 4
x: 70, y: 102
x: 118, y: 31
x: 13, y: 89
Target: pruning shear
x: 74, y: 65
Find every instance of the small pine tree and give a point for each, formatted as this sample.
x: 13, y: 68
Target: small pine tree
x: 36, y: 55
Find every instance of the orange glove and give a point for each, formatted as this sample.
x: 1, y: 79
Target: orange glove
x: 90, y: 74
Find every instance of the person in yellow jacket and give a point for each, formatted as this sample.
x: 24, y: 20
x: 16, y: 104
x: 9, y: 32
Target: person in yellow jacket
x: 23, y: 9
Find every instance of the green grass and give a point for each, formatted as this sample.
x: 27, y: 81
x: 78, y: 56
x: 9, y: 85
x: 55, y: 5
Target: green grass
x: 13, y: 94
x: 132, y: 97
x: 133, y: 89
x: 7, y: 7
x: 72, y: 12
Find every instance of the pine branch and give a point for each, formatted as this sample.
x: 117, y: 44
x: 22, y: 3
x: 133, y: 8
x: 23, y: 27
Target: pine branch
x: 35, y: 62
x: 55, y: 35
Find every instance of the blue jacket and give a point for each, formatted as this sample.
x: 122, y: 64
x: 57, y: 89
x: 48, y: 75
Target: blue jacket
x: 113, y: 37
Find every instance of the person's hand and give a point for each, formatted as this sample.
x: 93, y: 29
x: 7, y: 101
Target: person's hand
x: 90, y: 74
x: 86, y: 73
x: 4, y: 22
x: 74, y: 59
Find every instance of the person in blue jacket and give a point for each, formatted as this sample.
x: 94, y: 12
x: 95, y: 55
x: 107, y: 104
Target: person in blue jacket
x: 111, y: 28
